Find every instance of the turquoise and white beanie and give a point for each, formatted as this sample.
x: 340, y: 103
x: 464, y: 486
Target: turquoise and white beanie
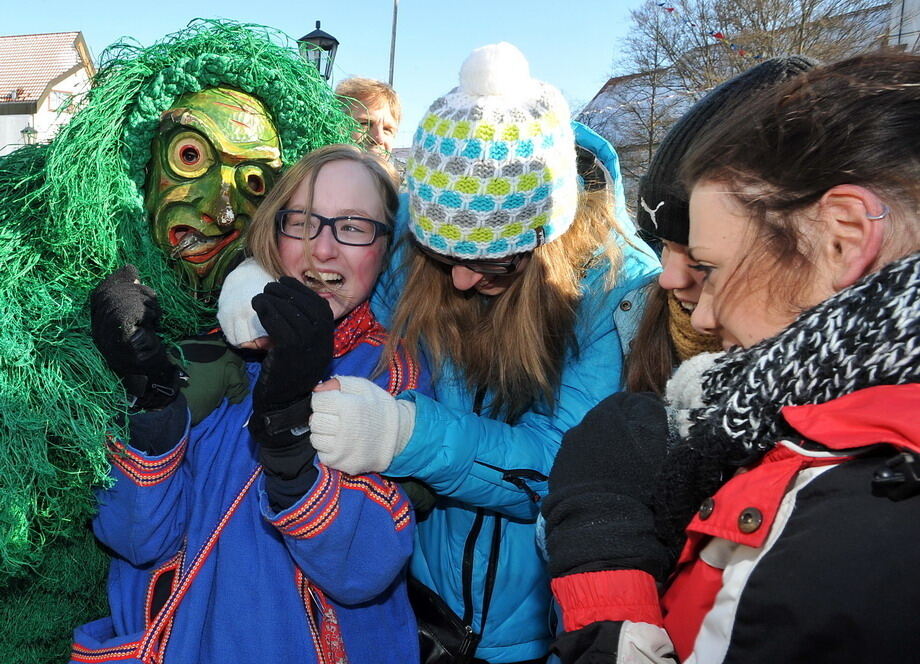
x: 492, y: 168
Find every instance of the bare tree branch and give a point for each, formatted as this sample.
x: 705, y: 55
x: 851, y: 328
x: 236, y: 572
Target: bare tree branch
x: 670, y: 59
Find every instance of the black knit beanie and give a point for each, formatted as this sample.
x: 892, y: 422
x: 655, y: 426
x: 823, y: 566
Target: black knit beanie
x: 662, y: 208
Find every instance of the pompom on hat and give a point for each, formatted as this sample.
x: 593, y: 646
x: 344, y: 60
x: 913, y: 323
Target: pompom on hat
x: 492, y: 168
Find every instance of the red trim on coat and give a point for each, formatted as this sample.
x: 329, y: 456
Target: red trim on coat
x: 623, y: 594
x: 761, y: 487
x: 882, y: 414
x: 141, y: 469
x: 686, y: 603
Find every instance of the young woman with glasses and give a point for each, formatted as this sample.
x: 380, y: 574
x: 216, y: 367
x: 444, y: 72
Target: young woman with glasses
x: 513, y: 282
x: 230, y: 541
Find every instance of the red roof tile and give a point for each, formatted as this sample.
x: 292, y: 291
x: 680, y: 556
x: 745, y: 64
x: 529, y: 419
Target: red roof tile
x: 29, y: 62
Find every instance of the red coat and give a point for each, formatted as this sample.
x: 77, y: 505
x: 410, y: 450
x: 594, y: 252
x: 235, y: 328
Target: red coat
x: 792, y: 560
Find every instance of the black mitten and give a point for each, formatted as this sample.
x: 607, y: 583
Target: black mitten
x: 300, y: 326
x: 124, y: 318
x: 598, y: 514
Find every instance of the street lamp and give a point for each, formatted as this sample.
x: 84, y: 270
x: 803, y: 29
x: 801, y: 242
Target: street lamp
x: 318, y: 48
x: 28, y: 135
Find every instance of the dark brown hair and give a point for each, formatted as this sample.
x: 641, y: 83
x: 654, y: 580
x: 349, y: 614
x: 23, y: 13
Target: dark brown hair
x: 856, y: 121
x: 651, y: 358
x: 664, y: 339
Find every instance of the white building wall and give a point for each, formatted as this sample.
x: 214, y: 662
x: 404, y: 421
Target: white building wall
x: 50, y: 117
x: 904, y: 25
x: 47, y: 119
x: 10, y: 126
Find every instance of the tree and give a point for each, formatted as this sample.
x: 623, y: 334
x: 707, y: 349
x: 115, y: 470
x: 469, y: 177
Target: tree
x: 678, y: 51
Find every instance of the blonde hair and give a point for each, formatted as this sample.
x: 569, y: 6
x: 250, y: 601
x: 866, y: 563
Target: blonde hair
x: 367, y: 92
x: 262, y: 239
x: 514, y: 344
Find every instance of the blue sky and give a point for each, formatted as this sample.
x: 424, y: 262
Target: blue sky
x: 569, y: 44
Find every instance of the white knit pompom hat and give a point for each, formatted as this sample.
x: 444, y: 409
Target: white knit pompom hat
x: 492, y: 168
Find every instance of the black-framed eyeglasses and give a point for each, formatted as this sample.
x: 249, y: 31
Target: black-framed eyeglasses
x: 350, y: 230
x: 499, y: 266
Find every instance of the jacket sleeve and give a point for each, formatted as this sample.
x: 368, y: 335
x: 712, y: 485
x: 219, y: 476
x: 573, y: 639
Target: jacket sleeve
x: 351, y: 535
x: 611, y: 616
x: 142, y: 516
x: 487, y: 463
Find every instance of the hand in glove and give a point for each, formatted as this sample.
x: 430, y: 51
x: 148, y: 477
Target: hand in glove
x: 361, y: 427
x: 238, y: 321
x: 604, y: 555
x: 598, y: 514
x: 300, y: 325
x: 214, y: 372
x: 124, y: 317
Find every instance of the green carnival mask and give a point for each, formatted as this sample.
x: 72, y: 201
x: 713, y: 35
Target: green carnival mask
x: 215, y: 157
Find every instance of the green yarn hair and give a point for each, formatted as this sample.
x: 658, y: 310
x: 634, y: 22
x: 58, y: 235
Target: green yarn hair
x: 72, y: 212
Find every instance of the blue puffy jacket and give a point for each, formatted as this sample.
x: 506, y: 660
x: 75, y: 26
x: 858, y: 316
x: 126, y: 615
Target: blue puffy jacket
x: 490, y: 474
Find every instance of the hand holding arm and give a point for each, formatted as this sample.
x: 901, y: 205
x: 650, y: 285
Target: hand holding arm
x: 360, y: 427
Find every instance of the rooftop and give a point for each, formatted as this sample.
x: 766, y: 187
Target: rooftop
x: 29, y: 63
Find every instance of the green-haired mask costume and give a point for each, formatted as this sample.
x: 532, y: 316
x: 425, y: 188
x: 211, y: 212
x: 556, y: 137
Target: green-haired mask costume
x: 162, y: 166
x: 215, y: 157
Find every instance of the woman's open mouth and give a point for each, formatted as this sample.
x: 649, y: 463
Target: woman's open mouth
x: 323, y: 281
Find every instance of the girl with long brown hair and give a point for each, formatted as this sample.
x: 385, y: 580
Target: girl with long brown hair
x: 795, y: 485
x: 512, y: 285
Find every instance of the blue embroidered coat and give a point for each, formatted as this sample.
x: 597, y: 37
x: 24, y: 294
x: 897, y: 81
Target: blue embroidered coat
x: 323, y: 581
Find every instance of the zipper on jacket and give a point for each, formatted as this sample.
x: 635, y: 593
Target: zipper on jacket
x: 468, y: 550
x: 471, y: 639
x: 518, y: 477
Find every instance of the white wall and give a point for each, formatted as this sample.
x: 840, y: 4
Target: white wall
x: 10, y: 126
x: 47, y: 120
x: 904, y: 24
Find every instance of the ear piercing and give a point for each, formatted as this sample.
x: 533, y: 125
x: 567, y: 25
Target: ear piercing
x: 877, y: 217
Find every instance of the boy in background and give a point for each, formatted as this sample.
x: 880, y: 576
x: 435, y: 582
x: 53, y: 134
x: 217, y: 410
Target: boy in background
x: 375, y: 106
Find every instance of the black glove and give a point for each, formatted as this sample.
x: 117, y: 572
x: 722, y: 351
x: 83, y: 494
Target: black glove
x: 215, y: 371
x: 598, y: 514
x: 124, y: 318
x: 300, y: 326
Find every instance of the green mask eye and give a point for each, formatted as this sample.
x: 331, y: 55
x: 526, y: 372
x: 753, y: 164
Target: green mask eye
x: 189, y: 155
x: 254, y: 180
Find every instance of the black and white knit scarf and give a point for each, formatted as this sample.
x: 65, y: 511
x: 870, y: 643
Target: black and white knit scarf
x: 865, y: 335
